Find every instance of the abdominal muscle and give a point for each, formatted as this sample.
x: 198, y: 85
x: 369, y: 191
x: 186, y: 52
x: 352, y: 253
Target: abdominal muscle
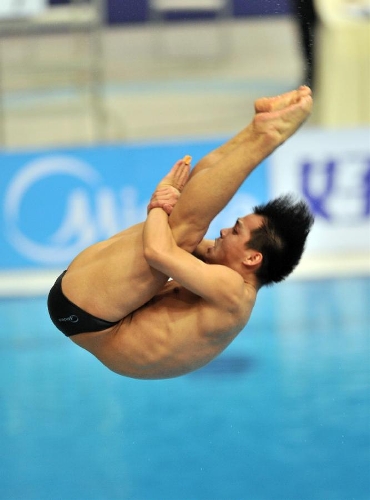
x: 167, y: 337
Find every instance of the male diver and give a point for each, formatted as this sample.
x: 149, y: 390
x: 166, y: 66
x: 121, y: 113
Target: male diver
x: 116, y: 300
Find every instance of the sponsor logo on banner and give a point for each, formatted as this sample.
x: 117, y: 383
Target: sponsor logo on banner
x: 331, y: 170
x: 338, y: 189
x: 55, y: 206
x: 91, y: 211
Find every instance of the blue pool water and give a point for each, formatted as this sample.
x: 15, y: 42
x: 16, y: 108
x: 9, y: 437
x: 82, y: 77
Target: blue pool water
x: 283, y: 414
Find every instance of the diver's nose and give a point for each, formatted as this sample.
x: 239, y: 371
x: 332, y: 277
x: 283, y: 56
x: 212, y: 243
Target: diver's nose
x: 222, y: 233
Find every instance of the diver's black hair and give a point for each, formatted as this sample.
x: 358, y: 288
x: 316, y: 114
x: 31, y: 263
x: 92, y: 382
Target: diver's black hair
x: 281, y: 238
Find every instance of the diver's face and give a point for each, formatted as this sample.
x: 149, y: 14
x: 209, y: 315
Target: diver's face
x: 231, y: 246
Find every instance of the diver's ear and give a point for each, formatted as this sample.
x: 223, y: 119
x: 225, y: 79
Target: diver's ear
x: 252, y: 259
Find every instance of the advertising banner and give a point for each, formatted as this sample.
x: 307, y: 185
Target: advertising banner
x: 331, y: 170
x: 56, y: 203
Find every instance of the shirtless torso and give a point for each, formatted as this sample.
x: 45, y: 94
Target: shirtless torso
x: 176, y: 332
x: 173, y: 331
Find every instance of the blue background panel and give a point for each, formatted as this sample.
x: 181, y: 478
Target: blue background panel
x: 55, y: 203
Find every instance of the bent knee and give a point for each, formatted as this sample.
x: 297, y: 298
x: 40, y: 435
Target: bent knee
x: 188, y: 236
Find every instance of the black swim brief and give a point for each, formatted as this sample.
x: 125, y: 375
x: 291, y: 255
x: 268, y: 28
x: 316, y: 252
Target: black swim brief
x: 69, y: 318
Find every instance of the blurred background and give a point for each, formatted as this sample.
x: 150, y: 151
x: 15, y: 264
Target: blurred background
x: 97, y: 100
x: 78, y: 72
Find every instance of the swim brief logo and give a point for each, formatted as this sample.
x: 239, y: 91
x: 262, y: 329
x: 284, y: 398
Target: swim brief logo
x: 72, y: 319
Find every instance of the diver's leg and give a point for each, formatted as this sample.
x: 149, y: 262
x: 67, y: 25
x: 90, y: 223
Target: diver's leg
x: 262, y: 105
x: 210, y: 189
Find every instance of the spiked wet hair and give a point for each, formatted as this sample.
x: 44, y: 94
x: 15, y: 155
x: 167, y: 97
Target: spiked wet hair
x: 281, y: 238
